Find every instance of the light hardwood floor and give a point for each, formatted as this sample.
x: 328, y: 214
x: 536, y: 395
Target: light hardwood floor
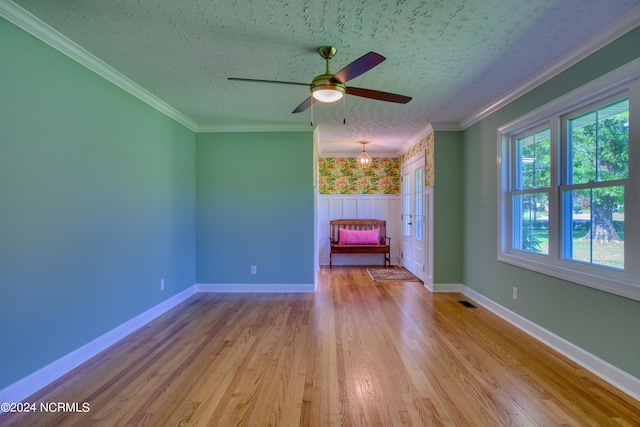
x: 354, y: 353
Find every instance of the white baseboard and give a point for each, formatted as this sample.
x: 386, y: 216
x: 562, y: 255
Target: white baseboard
x: 25, y: 387
x: 445, y: 287
x: 614, y: 376
x: 358, y: 260
x: 254, y: 287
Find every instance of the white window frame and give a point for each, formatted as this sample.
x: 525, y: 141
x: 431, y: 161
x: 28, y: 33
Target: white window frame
x: 624, y: 81
x: 513, y: 174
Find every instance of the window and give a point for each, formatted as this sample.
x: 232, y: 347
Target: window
x: 568, y: 204
x: 597, y: 169
x: 418, y: 217
x: 406, y: 195
x: 531, y: 183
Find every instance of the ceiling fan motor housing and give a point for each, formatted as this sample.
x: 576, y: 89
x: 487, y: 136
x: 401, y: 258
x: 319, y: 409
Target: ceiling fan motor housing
x: 324, y: 81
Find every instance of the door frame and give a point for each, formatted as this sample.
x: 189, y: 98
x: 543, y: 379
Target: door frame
x: 409, y: 167
x: 428, y: 230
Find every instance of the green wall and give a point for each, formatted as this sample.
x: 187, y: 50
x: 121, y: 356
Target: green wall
x: 97, y: 205
x: 448, y: 208
x: 603, y: 324
x: 254, y: 207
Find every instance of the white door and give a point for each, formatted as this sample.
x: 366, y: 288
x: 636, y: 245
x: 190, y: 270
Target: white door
x: 413, y: 218
x: 428, y: 237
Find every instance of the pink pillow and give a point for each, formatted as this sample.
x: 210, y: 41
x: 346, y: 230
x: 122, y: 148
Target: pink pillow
x: 359, y: 237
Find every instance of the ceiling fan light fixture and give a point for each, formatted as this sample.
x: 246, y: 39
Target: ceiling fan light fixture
x: 364, y: 160
x: 328, y: 94
x: 325, y: 90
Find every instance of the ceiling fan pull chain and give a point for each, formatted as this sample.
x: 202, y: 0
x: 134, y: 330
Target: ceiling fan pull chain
x: 312, y: 111
x: 344, y: 110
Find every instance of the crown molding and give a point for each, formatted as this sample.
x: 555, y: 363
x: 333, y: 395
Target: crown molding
x: 592, y: 44
x: 43, y: 32
x: 291, y: 127
x: 415, y: 139
x: 352, y: 154
x: 446, y: 127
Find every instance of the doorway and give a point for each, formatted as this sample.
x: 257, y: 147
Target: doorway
x: 414, y: 217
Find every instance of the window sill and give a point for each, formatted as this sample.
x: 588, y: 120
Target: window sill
x: 614, y: 286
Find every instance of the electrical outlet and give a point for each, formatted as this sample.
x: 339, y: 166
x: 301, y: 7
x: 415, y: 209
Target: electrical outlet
x: 162, y: 284
x: 254, y: 269
x: 515, y: 293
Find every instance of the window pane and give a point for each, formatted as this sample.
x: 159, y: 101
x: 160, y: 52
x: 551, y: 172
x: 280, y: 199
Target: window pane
x: 531, y: 222
x: 418, y: 183
x: 598, y: 144
x: 533, y: 161
x: 595, y: 226
x: 406, y: 192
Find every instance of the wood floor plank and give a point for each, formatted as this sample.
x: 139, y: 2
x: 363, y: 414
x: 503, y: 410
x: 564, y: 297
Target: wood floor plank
x: 354, y: 353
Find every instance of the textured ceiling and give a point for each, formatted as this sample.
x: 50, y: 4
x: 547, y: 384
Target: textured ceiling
x: 454, y: 57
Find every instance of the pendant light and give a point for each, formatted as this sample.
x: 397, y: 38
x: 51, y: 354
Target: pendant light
x: 364, y: 160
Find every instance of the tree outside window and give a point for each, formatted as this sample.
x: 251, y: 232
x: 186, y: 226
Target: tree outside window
x: 597, y: 159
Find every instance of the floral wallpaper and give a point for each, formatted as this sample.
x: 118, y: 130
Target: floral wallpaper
x: 426, y: 145
x: 341, y: 175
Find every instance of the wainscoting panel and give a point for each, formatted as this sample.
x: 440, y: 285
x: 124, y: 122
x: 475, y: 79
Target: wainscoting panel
x: 380, y: 209
x: 350, y: 208
x: 360, y: 206
x: 364, y: 209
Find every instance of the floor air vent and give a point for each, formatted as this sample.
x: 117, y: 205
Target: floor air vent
x: 467, y: 304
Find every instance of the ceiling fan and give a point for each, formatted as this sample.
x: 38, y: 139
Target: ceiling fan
x: 329, y: 87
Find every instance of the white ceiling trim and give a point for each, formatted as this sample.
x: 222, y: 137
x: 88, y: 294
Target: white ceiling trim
x: 292, y: 127
x: 352, y: 155
x: 598, y: 40
x: 446, y: 127
x: 43, y: 32
x: 416, y: 138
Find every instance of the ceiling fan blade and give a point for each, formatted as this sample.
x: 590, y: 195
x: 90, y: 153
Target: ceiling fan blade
x: 358, y: 67
x: 305, y: 104
x: 237, y: 79
x: 378, y: 95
